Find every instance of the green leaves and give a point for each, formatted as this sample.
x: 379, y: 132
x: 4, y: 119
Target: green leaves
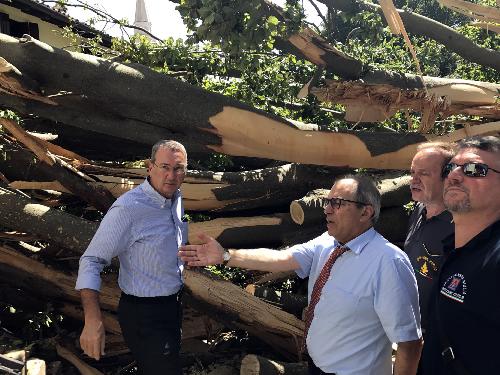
x: 235, y: 25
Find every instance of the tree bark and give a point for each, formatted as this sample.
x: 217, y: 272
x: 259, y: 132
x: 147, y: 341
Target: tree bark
x: 102, y: 101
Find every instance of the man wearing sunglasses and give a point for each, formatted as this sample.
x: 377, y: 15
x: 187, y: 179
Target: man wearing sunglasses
x: 465, y: 316
x: 429, y: 222
x: 362, y: 290
x: 144, y: 229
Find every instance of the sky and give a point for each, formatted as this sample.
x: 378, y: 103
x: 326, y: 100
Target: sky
x: 166, y: 21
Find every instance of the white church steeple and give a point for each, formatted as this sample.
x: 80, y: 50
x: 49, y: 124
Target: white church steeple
x: 141, y: 17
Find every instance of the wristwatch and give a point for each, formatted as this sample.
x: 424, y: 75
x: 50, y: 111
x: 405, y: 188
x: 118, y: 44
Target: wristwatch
x: 226, y: 256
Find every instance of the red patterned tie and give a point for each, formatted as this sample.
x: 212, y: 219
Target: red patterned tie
x: 318, y: 287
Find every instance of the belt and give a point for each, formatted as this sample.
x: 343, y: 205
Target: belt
x: 152, y: 300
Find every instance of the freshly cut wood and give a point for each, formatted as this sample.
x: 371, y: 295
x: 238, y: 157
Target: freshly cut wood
x: 310, y: 206
x: 251, y: 232
x: 253, y: 364
x: 394, y: 192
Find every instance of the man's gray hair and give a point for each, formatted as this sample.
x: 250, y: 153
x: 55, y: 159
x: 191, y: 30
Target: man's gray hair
x: 168, y: 144
x: 487, y: 143
x: 366, y: 192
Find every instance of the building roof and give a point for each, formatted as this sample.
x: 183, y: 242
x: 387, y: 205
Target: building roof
x: 52, y: 16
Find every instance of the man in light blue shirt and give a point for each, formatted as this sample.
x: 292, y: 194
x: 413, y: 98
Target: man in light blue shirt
x: 144, y: 229
x: 370, y: 297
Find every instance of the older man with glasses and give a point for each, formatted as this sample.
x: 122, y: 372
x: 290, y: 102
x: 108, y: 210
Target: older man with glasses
x: 362, y: 290
x: 464, y: 324
x: 144, y: 229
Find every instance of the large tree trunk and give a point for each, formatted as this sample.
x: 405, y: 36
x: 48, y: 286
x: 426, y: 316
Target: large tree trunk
x: 103, y: 101
x: 201, y: 190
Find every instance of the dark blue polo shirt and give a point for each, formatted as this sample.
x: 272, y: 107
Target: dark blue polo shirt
x: 468, y: 294
x: 424, y: 247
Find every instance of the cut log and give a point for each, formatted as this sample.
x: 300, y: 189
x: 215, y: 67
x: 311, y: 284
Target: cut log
x: 74, y: 233
x: 253, y: 364
x: 394, y: 192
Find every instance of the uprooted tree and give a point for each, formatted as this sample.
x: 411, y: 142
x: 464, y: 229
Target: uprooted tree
x: 361, y: 104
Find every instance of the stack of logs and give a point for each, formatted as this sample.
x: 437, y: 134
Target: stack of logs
x: 41, y: 240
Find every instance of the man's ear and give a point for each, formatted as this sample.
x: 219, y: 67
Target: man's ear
x: 367, y: 213
x: 149, y: 165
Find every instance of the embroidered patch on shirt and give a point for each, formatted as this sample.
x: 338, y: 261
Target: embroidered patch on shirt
x: 455, y: 287
x: 426, y: 267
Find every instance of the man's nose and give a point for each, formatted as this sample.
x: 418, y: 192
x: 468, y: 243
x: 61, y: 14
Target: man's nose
x: 456, y: 174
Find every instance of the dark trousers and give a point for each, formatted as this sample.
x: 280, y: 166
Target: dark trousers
x: 315, y: 370
x: 151, y: 327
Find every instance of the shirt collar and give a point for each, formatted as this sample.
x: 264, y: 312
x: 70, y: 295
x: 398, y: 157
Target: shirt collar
x: 443, y: 216
x: 479, y: 240
x: 156, y: 197
x: 356, y: 245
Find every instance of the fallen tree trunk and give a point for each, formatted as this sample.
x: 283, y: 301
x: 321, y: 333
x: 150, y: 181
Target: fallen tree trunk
x: 253, y: 364
x: 97, y: 196
x: 73, y: 233
x: 103, y: 102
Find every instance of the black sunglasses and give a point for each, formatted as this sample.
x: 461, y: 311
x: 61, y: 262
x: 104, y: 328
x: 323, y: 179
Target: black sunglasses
x: 337, y: 202
x: 469, y: 169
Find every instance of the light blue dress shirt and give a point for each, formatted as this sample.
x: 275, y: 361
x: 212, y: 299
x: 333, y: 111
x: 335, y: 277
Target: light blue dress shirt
x: 144, y: 229
x: 369, y: 301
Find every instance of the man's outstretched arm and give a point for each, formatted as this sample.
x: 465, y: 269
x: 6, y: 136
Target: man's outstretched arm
x: 93, y: 334
x: 211, y: 252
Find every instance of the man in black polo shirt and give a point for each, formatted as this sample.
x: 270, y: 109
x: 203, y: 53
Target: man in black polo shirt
x: 464, y: 325
x: 429, y: 222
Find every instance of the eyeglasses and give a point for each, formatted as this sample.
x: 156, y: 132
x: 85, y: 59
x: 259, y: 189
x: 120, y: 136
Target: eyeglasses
x: 178, y: 170
x: 337, y: 202
x: 469, y: 169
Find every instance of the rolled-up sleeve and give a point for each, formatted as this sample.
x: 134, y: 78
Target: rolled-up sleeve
x: 396, y: 301
x: 111, y: 238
